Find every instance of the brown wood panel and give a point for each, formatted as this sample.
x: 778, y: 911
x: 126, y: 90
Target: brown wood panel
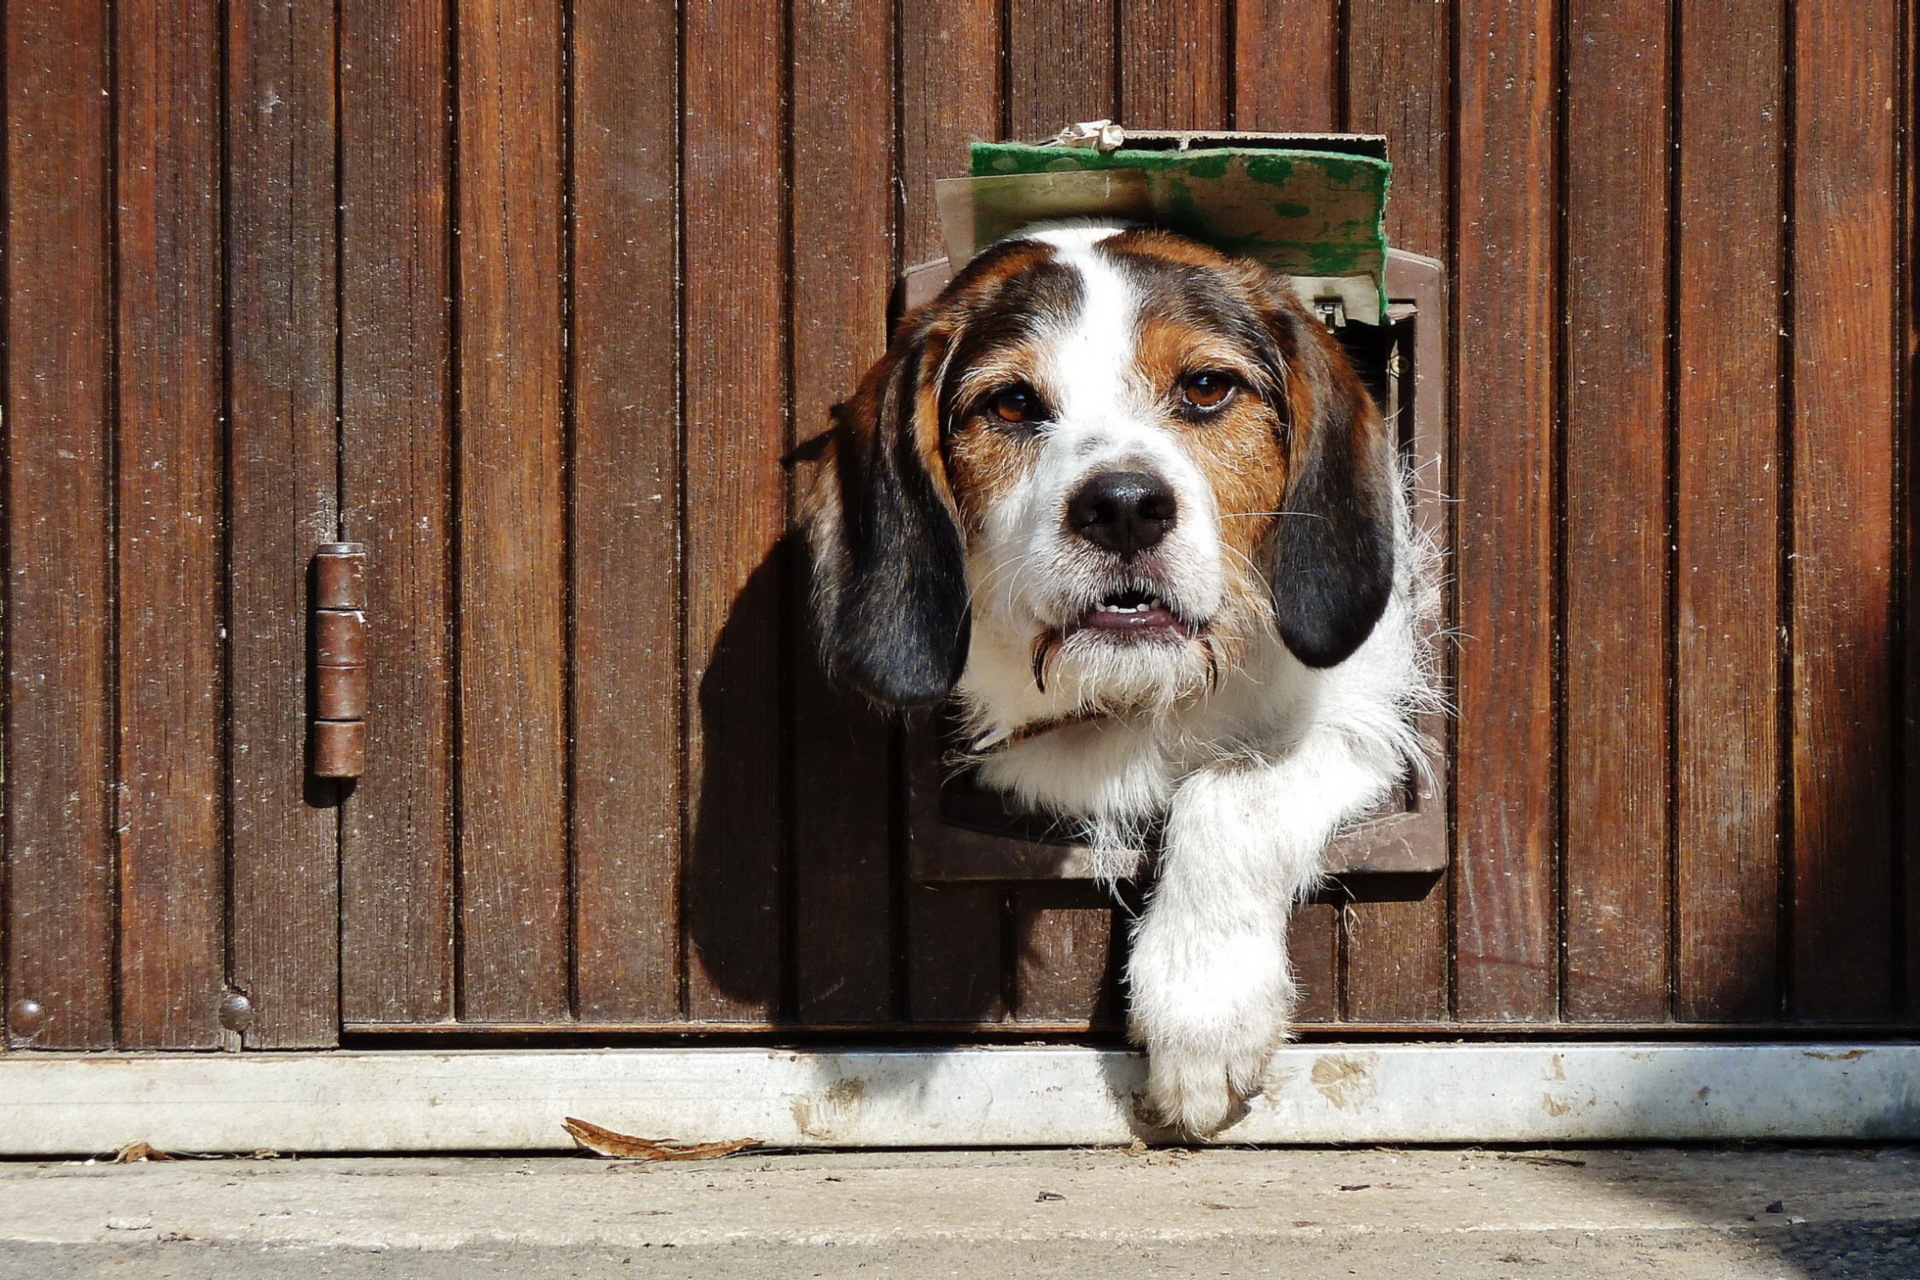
x: 511, y: 498
x: 1060, y: 65
x: 843, y: 271
x: 1503, y: 291
x: 1615, y: 846
x: 950, y: 93
x: 1286, y: 63
x: 283, y: 491
x: 1908, y: 905
x: 395, y: 353
x: 626, y: 504
x: 1174, y: 64
x: 1727, y: 476
x: 59, y: 583
x: 1843, y: 403
x: 1066, y: 950
x: 172, y: 883
x: 734, y: 353
x: 1397, y: 83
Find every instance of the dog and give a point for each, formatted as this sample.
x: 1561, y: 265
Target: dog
x: 1125, y: 499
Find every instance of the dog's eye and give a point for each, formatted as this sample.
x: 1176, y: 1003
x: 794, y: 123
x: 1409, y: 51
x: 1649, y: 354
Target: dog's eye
x: 1015, y: 404
x: 1208, y: 389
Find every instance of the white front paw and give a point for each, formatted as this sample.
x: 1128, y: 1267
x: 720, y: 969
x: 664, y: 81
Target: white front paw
x: 1198, y: 1091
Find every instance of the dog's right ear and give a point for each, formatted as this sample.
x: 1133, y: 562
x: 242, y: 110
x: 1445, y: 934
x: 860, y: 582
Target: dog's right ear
x: 889, y: 568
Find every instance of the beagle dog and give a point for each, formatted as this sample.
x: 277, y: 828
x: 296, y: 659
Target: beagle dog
x: 1125, y: 499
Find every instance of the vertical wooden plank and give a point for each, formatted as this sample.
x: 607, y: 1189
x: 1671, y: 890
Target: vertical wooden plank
x: 950, y: 93
x: 843, y: 271
x: 1909, y: 337
x: 734, y: 365
x: 1615, y: 843
x: 626, y: 557
x: 1727, y: 477
x: 1174, y: 57
x: 1843, y: 403
x: 1060, y: 65
x: 512, y: 513
x: 1065, y: 956
x: 1286, y: 62
x: 395, y: 352
x: 172, y: 888
x: 1312, y: 39
x: 59, y: 583
x: 1397, y: 82
x: 1504, y: 292
x: 283, y: 480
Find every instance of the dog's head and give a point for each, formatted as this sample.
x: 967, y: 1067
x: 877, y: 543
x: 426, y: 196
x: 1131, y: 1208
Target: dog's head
x: 1117, y: 448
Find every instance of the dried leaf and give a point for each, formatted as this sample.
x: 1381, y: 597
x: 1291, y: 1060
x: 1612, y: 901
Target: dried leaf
x: 137, y: 1152
x: 623, y: 1146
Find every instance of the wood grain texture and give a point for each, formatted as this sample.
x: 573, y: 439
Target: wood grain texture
x: 1908, y: 905
x: 1060, y: 65
x: 950, y: 93
x: 1615, y: 846
x: 395, y: 398
x: 1504, y: 297
x: 1066, y: 958
x: 843, y: 271
x: 1398, y: 80
x: 733, y: 350
x: 283, y: 490
x: 1286, y: 61
x: 1174, y: 58
x: 626, y: 503
x: 1842, y: 553
x: 1727, y: 489
x: 512, y: 513
x: 172, y: 872
x: 59, y: 494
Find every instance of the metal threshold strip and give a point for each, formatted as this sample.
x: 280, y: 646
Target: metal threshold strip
x: 53, y: 1104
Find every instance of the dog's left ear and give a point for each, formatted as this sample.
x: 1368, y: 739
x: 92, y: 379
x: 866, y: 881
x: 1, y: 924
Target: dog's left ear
x: 889, y: 569
x: 1334, y: 546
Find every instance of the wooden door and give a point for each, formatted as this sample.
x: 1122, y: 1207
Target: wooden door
x: 532, y: 298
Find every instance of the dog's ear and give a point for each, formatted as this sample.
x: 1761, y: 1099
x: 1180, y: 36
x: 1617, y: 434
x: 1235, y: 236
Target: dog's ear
x: 1333, y: 548
x: 889, y: 570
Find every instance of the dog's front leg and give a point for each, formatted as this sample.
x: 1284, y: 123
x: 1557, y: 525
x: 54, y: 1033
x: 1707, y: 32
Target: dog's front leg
x: 1209, y: 985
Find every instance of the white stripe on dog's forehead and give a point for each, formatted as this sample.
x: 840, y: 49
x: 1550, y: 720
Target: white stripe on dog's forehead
x: 1092, y: 354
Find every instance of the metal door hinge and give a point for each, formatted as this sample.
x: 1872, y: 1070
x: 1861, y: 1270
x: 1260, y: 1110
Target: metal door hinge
x: 339, y: 727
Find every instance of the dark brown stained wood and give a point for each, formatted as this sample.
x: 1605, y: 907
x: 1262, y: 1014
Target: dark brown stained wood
x: 172, y: 891
x: 1615, y: 843
x: 1286, y: 63
x: 59, y: 602
x: 1174, y: 59
x: 1313, y: 952
x: 626, y: 503
x: 1397, y: 79
x: 950, y: 94
x: 512, y: 513
x: 1066, y: 950
x: 734, y: 365
x: 1313, y: 43
x: 1909, y: 336
x: 1843, y: 403
x: 843, y: 272
x: 1727, y: 478
x: 1504, y: 298
x: 1060, y: 64
x: 283, y: 487
x: 395, y: 347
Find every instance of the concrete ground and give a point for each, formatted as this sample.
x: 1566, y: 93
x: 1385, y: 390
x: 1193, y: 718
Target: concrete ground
x: 1112, y: 1214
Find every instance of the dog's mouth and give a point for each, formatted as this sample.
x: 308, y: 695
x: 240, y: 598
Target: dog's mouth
x: 1134, y: 611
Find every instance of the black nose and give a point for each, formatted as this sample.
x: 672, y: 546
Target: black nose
x: 1124, y: 511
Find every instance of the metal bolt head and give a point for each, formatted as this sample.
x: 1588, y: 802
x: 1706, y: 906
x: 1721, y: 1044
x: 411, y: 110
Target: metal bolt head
x: 236, y: 1011
x: 25, y: 1017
